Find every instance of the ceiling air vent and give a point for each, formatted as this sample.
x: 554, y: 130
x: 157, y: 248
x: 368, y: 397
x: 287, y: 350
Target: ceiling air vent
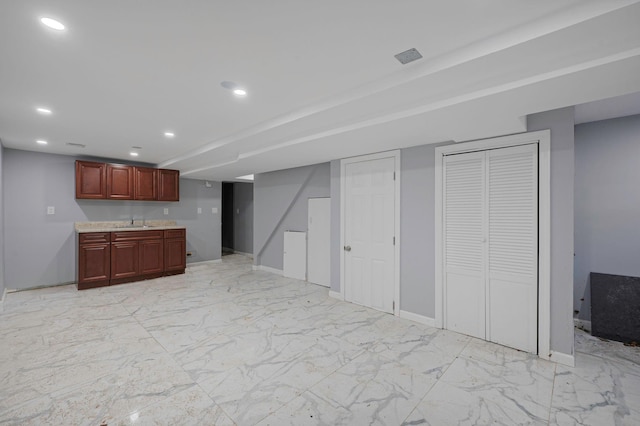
x: 408, y: 56
x: 77, y: 145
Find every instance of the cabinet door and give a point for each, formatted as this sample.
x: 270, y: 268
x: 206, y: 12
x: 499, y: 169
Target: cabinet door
x: 145, y: 183
x: 151, y: 256
x: 94, y: 263
x: 125, y: 259
x: 175, y: 254
x: 168, y: 185
x: 91, y: 180
x: 119, y: 182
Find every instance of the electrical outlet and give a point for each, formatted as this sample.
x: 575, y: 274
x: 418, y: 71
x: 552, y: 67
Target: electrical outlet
x: 214, y: 210
x: 199, y: 210
x: 166, y: 210
x: 51, y: 210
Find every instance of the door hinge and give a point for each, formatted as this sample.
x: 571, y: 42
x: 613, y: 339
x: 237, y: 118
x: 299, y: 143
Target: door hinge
x: 393, y: 306
x: 394, y: 175
x: 394, y: 241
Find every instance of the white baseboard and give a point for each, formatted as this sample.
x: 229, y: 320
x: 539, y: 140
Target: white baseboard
x: 267, y: 269
x: 562, y: 358
x: 421, y: 319
x: 583, y: 324
x: 336, y: 295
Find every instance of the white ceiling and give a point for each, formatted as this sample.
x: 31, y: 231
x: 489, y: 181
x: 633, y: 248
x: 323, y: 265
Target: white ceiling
x: 321, y: 76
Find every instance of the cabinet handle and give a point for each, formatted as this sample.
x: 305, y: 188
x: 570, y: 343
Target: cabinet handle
x: 347, y: 248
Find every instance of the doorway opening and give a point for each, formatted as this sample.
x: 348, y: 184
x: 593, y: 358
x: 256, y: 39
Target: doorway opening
x: 227, y: 219
x: 237, y: 218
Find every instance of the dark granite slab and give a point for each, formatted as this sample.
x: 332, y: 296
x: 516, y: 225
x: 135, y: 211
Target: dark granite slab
x: 615, y: 307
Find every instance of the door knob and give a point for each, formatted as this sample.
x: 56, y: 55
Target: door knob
x: 347, y: 248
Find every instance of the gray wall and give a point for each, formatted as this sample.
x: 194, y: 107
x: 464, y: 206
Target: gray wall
x: 243, y: 217
x: 1, y: 221
x: 280, y: 203
x: 561, y: 124
x: 40, y: 249
x: 607, y: 203
x: 417, y: 230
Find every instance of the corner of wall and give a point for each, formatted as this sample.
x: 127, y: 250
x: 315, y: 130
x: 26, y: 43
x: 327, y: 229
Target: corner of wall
x: 561, y: 124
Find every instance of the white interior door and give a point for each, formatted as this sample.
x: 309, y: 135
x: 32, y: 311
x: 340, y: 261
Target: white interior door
x: 464, y: 243
x: 369, y: 264
x: 294, y: 264
x: 490, y: 251
x: 512, y: 280
x: 318, y: 241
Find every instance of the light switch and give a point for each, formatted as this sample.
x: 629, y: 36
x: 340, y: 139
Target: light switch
x: 166, y: 210
x: 199, y: 210
x: 237, y: 211
x: 51, y: 210
x: 214, y: 210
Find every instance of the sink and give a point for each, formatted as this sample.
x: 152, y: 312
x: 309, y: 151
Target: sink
x: 129, y: 226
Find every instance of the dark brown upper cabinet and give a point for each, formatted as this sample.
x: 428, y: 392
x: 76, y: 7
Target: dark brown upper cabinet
x: 119, y: 182
x: 145, y: 183
x: 168, y: 185
x: 91, y: 180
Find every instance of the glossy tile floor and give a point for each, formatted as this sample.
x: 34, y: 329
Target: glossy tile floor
x: 226, y: 345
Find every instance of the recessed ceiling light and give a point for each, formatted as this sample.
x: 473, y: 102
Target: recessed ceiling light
x: 169, y: 134
x: 52, y: 23
x: 133, y: 154
x: 41, y: 142
x: 235, y: 87
x: 43, y: 110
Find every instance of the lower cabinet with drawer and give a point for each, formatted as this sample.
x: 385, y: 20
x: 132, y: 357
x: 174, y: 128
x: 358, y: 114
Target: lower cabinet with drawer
x: 175, y: 251
x: 94, y: 260
x: 108, y: 258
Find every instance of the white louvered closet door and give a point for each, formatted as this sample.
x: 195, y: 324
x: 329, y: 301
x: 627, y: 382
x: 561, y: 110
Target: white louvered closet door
x: 490, y: 230
x: 512, y: 278
x: 464, y: 240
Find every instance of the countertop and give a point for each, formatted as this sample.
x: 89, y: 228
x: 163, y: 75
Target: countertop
x: 125, y: 225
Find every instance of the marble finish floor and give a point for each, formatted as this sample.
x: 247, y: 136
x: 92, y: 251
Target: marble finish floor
x: 224, y: 345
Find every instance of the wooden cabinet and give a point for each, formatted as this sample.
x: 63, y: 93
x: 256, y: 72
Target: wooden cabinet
x: 119, y: 182
x: 168, y: 185
x: 94, y: 260
x: 107, y: 258
x: 124, y: 259
x: 145, y: 183
x: 123, y: 182
x: 91, y: 180
x: 152, y: 256
x: 175, y: 250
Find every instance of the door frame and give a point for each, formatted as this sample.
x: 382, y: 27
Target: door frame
x: 395, y: 154
x: 543, y: 139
